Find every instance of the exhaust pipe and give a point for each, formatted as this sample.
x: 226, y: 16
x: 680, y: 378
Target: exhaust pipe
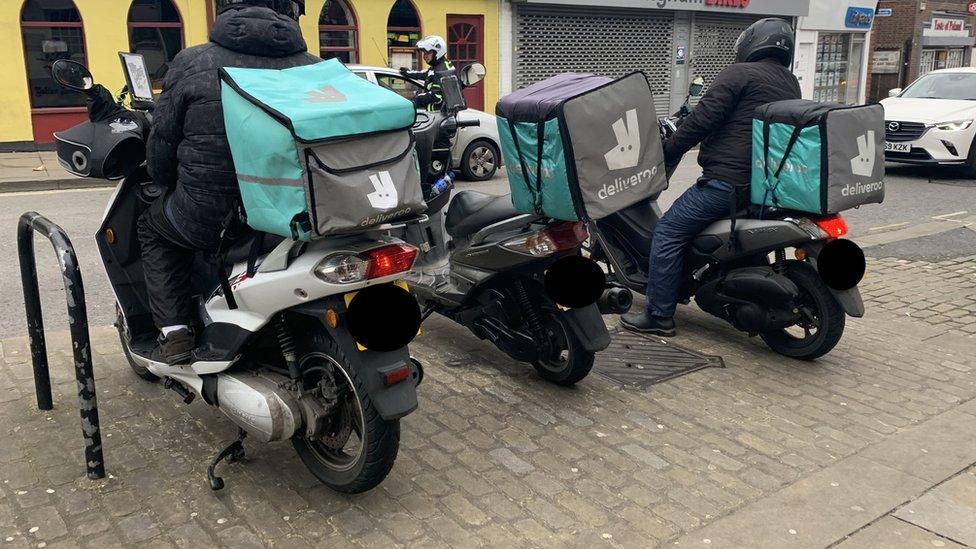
x: 615, y: 301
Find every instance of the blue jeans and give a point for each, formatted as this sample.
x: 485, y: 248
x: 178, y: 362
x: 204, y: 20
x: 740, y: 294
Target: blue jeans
x: 700, y: 206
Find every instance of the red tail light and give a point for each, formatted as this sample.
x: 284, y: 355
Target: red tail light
x: 390, y: 260
x: 834, y: 226
x: 566, y: 236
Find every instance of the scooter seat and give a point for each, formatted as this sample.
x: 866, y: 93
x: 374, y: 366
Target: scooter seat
x: 471, y: 211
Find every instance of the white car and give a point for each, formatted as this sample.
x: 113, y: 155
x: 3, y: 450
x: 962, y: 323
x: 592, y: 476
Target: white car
x: 933, y: 121
x: 476, y: 153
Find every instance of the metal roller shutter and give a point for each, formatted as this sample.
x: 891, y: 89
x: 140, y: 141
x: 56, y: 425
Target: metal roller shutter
x: 713, y: 43
x: 550, y: 41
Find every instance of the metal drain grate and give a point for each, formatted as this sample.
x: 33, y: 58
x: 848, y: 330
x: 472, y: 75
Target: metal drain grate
x: 639, y: 361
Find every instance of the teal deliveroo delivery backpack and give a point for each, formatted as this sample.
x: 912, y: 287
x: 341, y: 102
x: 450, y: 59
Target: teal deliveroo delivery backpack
x: 580, y: 146
x: 318, y: 150
x: 821, y: 158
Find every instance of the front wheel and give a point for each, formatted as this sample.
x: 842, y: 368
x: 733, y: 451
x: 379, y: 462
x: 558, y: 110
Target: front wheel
x: 822, y: 322
x: 565, y: 362
x: 354, y: 448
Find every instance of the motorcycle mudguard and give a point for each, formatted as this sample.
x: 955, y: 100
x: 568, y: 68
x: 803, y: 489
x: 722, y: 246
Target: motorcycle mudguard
x: 850, y: 300
x: 392, y: 402
x: 587, y: 323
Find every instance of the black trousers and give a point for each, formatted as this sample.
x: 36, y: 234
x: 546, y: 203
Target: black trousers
x: 167, y: 261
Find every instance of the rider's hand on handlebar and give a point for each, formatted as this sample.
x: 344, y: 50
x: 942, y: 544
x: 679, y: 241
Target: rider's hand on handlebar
x: 404, y: 71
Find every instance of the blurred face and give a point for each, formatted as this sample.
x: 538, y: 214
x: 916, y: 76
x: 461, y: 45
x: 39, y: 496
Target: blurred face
x: 429, y: 56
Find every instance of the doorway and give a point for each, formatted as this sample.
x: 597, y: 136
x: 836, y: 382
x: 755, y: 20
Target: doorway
x: 466, y: 45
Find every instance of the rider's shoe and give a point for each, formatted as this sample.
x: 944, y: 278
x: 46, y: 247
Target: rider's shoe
x: 175, y: 348
x: 648, y: 324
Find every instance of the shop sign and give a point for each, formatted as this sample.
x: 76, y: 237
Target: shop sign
x: 859, y: 18
x: 941, y: 26
x: 886, y: 62
x: 757, y: 7
x: 886, y: 12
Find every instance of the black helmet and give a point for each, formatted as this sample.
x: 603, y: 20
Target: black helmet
x: 770, y: 37
x: 290, y: 8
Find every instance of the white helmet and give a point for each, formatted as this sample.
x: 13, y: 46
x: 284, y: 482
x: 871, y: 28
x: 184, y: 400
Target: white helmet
x: 435, y: 44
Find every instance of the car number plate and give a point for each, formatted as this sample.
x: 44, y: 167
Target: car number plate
x: 898, y: 147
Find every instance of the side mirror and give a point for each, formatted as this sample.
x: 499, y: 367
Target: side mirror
x: 472, y: 74
x: 72, y: 75
x: 696, y: 87
x: 894, y: 92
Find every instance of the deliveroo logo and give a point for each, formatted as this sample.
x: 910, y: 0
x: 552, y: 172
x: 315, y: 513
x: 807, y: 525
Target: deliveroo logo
x: 384, y: 196
x: 326, y: 94
x: 863, y: 163
x: 626, y: 154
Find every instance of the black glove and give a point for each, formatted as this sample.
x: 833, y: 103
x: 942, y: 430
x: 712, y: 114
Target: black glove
x: 404, y: 71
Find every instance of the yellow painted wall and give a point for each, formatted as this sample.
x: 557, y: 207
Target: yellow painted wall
x: 106, y: 34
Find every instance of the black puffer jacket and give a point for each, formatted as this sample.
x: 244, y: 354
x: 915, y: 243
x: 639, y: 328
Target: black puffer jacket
x: 188, y: 145
x: 722, y: 121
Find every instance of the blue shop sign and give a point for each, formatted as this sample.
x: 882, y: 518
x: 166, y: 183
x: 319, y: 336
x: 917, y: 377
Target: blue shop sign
x: 859, y: 18
x: 883, y: 12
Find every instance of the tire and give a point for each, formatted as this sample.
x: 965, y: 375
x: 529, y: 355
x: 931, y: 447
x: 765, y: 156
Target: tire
x: 480, y: 160
x: 815, y: 295
x: 569, y: 363
x: 379, y: 441
x: 140, y: 371
x: 970, y: 169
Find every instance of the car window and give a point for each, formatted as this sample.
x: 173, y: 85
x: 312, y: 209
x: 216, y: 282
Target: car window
x: 362, y: 75
x: 404, y: 87
x: 946, y: 85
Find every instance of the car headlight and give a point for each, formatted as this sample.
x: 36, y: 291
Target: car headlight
x: 954, y: 126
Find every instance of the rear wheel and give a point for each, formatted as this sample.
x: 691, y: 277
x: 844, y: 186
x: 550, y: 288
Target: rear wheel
x: 565, y: 361
x: 822, y: 323
x: 480, y: 161
x: 355, y: 448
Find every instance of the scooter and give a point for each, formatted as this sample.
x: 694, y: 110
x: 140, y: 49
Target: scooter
x: 293, y: 345
x: 492, y: 269
x: 784, y: 301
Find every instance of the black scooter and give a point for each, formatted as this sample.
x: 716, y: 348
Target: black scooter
x: 485, y: 265
x: 784, y: 301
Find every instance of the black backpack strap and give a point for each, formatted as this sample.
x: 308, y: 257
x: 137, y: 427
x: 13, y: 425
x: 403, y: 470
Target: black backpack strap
x: 789, y: 149
x: 540, y: 138
x: 766, y: 150
x: 521, y: 157
x: 229, y: 232
x: 733, y: 210
x: 257, y: 242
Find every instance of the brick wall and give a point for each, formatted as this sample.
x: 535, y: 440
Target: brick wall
x: 903, y: 31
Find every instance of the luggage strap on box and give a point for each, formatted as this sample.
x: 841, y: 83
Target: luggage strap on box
x: 771, y: 190
x: 540, y: 135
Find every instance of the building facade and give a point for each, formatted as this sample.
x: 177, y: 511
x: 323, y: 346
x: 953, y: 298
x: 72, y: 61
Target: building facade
x: 368, y: 32
x: 914, y: 37
x: 671, y: 41
x: 832, y: 50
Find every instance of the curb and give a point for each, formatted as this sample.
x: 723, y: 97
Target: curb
x: 54, y: 184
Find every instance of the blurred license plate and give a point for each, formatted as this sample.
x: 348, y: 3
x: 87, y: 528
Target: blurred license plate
x: 898, y: 147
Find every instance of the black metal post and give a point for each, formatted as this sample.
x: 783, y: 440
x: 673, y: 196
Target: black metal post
x: 77, y: 318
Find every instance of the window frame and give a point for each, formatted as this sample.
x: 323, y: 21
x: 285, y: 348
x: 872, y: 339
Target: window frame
x: 80, y: 24
x: 354, y: 28
x: 130, y: 25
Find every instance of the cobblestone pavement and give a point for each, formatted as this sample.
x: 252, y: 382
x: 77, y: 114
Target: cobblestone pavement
x: 496, y: 457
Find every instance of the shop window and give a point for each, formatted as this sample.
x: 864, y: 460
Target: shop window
x: 155, y: 31
x: 403, y: 32
x: 933, y: 59
x: 840, y: 58
x: 52, y: 30
x: 338, y: 34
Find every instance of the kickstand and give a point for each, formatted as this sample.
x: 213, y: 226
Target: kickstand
x: 234, y: 452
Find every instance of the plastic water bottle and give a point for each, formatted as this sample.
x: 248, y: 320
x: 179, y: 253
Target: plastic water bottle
x: 442, y: 184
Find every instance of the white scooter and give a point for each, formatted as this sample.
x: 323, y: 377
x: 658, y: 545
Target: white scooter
x: 300, y: 341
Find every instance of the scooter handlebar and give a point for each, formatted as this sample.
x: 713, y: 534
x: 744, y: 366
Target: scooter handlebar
x: 468, y: 123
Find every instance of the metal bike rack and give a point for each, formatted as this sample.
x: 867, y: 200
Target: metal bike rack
x: 78, y: 319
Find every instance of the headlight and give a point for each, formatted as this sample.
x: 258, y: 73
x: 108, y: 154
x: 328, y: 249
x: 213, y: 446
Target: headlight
x: 954, y: 126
